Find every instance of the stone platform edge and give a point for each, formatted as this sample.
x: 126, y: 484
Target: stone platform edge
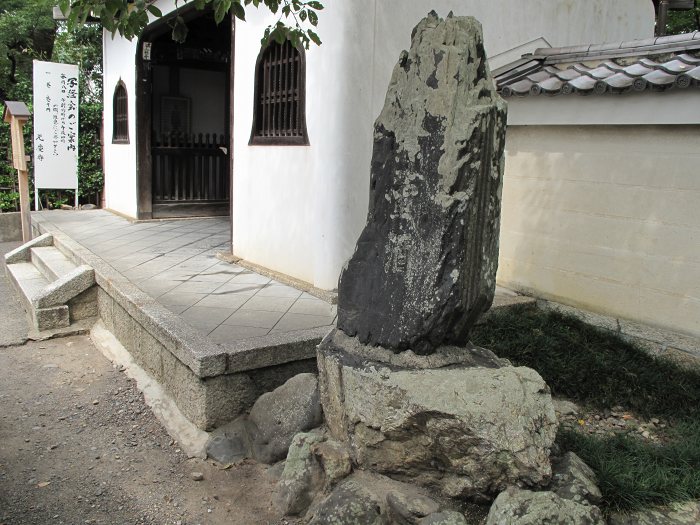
x: 211, y: 383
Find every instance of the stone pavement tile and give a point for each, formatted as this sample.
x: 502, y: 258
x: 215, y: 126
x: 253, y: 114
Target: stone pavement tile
x: 269, y: 304
x: 278, y: 290
x: 176, y: 309
x: 238, y: 288
x: 255, y: 318
x: 219, y: 278
x: 180, y: 299
x: 313, y: 306
x: 173, y: 275
x: 196, y: 287
x: 227, y: 333
x: 156, y: 288
x: 291, y: 322
x: 249, y: 277
x: 206, y: 317
x: 223, y: 300
x: 139, y: 274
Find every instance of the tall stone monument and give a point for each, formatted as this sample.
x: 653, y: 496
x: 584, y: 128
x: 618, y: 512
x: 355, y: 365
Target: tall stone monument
x: 399, y: 381
x: 424, y: 268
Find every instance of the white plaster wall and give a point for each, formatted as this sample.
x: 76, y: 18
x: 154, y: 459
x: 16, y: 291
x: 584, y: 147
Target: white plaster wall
x: 119, y: 62
x: 296, y: 208
x: 508, y: 24
x: 119, y: 159
x: 672, y: 107
x: 300, y: 210
x: 606, y: 218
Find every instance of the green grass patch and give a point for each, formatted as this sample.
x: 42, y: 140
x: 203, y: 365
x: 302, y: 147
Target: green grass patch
x: 600, y: 370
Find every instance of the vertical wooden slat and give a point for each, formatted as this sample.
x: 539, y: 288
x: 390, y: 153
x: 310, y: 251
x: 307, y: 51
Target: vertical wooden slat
x: 266, y: 94
x: 297, y: 97
x: 283, y: 90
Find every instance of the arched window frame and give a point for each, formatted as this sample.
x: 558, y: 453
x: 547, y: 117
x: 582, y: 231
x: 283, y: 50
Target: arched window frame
x: 120, y: 114
x: 265, y: 131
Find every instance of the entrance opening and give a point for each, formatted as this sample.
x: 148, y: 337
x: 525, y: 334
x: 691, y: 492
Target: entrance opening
x: 186, y: 87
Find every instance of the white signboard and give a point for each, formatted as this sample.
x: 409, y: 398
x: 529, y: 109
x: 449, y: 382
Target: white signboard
x: 55, y: 125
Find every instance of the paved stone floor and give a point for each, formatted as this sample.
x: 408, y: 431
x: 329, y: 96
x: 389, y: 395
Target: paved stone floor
x: 175, y: 262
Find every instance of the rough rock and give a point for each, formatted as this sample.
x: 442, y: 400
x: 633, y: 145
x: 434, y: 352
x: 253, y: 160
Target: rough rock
x: 424, y: 267
x: 351, y: 503
x: 573, y: 479
x: 469, y: 431
x: 334, y: 458
x: 679, y: 514
x: 564, y: 407
x: 365, y: 497
x: 281, y: 414
x: 231, y: 443
x: 449, y: 517
x: 302, y: 477
x: 523, y: 507
x: 404, y: 509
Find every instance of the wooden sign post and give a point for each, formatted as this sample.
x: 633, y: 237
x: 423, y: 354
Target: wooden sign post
x: 16, y: 114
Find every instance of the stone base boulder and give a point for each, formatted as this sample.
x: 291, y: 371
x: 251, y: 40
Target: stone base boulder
x: 461, y: 420
x: 274, y: 420
x: 524, y: 507
x: 366, y: 498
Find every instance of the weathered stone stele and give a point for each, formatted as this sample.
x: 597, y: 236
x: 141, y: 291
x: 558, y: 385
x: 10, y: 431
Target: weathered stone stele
x: 424, y: 267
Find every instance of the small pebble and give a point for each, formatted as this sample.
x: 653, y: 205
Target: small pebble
x: 197, y: 476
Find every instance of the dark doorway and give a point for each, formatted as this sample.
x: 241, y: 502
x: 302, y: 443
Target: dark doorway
x: 183, y: 112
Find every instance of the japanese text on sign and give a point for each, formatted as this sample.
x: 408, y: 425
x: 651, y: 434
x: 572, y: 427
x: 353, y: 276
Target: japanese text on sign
x: 55, y: 125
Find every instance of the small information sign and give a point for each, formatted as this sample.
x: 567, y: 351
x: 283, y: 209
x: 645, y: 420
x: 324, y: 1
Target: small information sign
x: 55, y: 126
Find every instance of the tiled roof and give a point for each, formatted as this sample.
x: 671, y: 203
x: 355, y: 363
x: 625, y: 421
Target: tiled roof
x: 656, y: 64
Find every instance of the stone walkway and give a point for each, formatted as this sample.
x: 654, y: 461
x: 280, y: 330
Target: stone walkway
x: 175, y: 262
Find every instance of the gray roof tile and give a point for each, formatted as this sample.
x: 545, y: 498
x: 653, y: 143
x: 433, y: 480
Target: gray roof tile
x: 656, y: 64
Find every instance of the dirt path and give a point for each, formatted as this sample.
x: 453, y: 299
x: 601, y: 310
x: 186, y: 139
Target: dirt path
x: 78, y: 445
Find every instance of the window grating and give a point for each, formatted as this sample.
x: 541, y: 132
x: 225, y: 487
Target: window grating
x: 279, y: 116
x: 120, y: 115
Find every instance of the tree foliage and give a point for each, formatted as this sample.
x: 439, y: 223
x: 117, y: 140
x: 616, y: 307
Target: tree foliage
x: 296, y: 21
x: 680, y: 22
x: 28, y: 32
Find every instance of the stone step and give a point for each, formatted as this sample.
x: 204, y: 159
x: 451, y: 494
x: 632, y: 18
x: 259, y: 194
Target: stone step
x: 51, y: 262
x: 28, y: 281
x: 53, y: 289
x: 30, y: 284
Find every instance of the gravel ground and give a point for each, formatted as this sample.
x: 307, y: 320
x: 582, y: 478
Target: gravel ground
x: 78, y: 445
x: 612, y: 421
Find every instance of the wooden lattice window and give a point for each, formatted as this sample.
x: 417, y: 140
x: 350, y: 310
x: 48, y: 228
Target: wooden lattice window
x: 279, y: 116
x: 120, y: 115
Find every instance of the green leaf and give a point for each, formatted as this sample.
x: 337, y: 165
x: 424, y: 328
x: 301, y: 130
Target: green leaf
x: 313, y: 36
x: 180, y: 30
x: 155, y: 11
x: 221, y: 9
x: 313, y: 18
x: 238, y: 11
x: 315, y: 5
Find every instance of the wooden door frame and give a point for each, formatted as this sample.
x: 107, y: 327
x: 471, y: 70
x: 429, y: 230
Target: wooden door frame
x: 144, y: 111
